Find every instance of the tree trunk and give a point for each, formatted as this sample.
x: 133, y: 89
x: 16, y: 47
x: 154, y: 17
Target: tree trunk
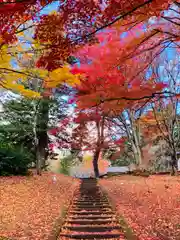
x: 42, y: 127
x: 38, y: 162
x: 174, y: 164
x: 137, y: 155
x: 95, y: 162
x: 100, y: 141
x: 135, y: 139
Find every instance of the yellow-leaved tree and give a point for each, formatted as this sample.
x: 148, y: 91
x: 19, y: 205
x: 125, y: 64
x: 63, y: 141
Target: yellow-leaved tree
x: 60, y: 76
x: 17, y: 68
x: 19, y: 74
x: 10, y: 77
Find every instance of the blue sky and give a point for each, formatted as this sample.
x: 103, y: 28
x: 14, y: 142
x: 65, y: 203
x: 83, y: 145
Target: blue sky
x: 51, y: 7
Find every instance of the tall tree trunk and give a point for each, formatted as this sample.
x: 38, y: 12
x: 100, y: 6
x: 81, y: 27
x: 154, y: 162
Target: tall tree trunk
x: 100, y: 140
x: 38, y: 160
x: 137, y: 155
x: 135, y: 138
x: 138, y: 151
x: 42, y: 127
x: 174, y: 163
x: 95, y: 162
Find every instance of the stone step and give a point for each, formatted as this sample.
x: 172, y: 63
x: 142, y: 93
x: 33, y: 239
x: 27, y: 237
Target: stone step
x: 70, y: 238
x: 91, y: 204
x: 91, y: 228
x: 89, y: 194
x: 108, y: 235
x: 89, y: 191
x: 91, y: 200
x: 80, y: 200
x: 91, y: 212
x: 90, y: 221
x: 92, y: 217
x: 90, y: 207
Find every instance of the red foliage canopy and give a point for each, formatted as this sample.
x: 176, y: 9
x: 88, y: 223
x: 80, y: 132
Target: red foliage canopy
x: 77, y: 21
x: 14, y: 13
x: 60, y: 32
x: 105, y: 82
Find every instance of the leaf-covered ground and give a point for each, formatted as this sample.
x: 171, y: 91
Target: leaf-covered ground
x: 151, y: 206
x: 29, y: 206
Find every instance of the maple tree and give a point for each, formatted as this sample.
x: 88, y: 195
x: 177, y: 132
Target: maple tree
x: 114, y: 87
x: 61, y: 132
x: 59, y: 31
x: 87, y: 131
x: 79, y: 139
x: 151, y: 32
x: 75, y: 136
x: 98, y: 133
x: 78, y: 22
x: 151, y: 26
x: 75, y: 23
x: 61, y: 41
x: 97, y: 144
x: 87, y: 165
x: 11, y: 15
x: 111, y: 74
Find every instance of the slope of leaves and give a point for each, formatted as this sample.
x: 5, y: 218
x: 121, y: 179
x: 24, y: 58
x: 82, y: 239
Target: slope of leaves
x: 150, y: 206
x: 30, y: 206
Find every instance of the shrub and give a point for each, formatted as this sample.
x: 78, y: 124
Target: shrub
x: 66, y: 163
x: 14, y: 160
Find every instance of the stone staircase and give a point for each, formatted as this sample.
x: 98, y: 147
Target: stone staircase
x: 91, y: 215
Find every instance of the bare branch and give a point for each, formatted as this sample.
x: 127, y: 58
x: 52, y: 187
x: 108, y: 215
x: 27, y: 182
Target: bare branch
x: 139, y: 98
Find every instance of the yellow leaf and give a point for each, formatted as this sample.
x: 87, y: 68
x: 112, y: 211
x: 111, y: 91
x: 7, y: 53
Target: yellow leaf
x: 60, y: 76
